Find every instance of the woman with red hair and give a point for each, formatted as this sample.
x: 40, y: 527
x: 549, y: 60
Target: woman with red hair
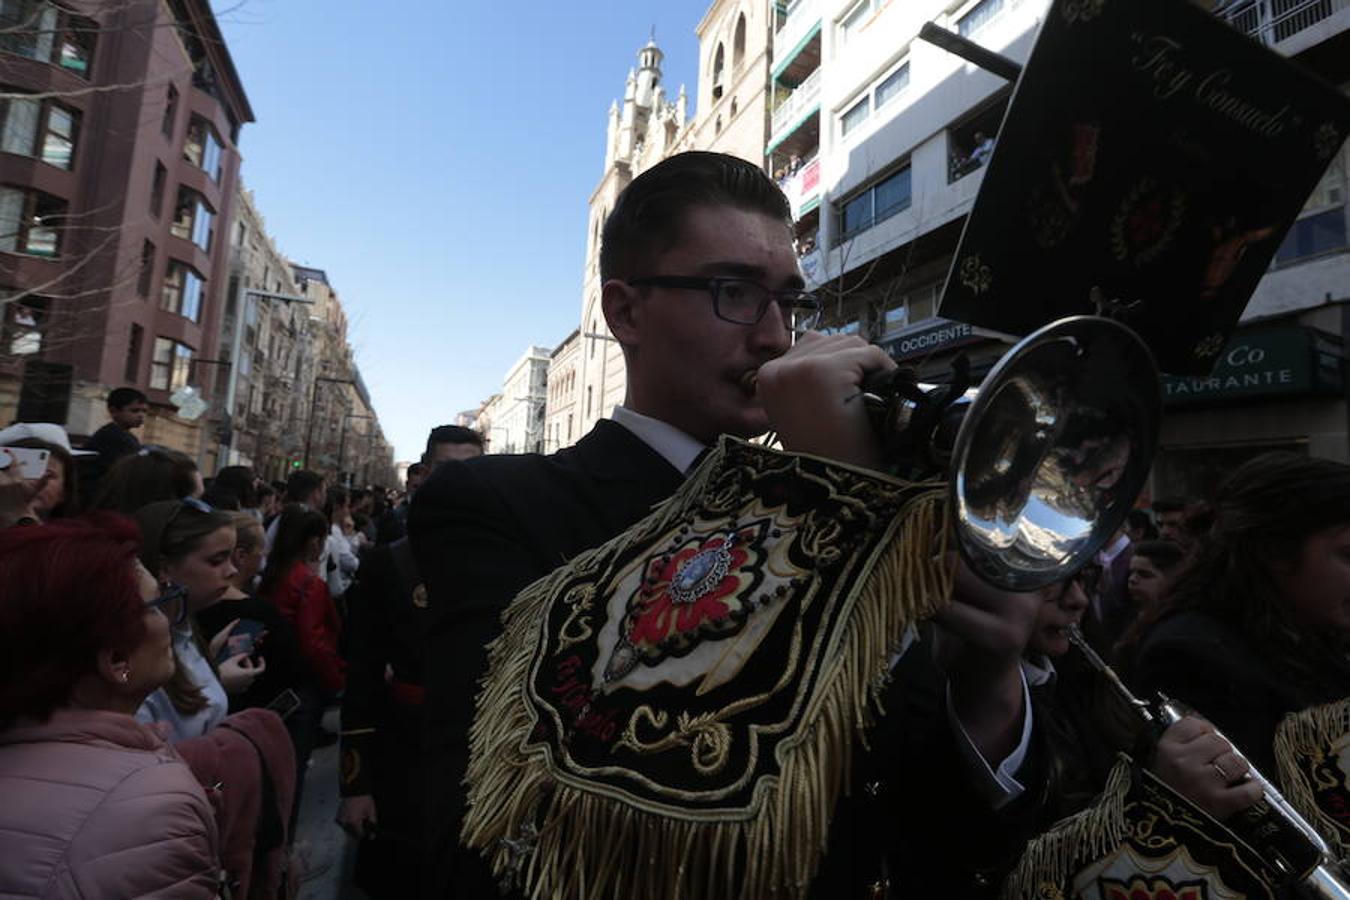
x: 95, y: 804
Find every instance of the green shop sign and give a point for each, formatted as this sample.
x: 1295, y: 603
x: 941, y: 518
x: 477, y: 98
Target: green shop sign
x: 1287, y: 360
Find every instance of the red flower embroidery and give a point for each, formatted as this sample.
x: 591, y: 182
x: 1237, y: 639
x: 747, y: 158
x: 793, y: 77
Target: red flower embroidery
x: 658, y: 616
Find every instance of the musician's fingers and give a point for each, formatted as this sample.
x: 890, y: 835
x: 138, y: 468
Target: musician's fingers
x: 1230, y: 768
x: 1188, y: 729
x: 1246, y: 794
x: 985, y: 631
x: 1233, y: 799
x: 1206, y: 748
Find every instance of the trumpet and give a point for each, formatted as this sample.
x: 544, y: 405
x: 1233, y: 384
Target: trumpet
x: 1285, y: 840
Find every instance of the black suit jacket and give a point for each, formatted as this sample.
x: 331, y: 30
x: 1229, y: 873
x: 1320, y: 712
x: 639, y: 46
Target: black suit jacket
x: 483, y: 530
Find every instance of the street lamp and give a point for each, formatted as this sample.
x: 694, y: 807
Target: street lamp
x: 342, y: 441
x: 313, y: 408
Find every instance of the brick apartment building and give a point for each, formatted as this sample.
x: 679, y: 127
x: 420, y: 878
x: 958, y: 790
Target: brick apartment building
x: 119, y: 125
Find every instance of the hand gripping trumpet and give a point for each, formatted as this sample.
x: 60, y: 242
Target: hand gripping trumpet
x: 1285, y: 840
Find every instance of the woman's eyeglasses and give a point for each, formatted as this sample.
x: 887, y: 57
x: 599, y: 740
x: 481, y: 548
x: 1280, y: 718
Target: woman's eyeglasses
x: 172, y: 601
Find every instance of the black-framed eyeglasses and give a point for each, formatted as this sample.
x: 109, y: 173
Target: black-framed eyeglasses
x: 743, y: 301
x: 172, y: 601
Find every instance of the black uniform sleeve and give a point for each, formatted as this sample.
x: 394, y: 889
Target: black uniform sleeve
x: 473, y: 558
x: 370, y: 637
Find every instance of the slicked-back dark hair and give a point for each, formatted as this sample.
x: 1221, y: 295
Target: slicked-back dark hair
x: 650, y: 212
x: 452, y: 434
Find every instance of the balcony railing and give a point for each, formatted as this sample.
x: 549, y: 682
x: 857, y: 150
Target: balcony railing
x: 798, y: 102
x: 1272, y: 21
x: 802, y: 16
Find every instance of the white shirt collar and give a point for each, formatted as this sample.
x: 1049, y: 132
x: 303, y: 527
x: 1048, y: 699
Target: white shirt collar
x: 1038, y: 669
x: 669, y: 442
x: 1107, y: 555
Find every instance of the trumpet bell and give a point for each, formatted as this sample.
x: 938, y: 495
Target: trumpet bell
x: 1053, y: 451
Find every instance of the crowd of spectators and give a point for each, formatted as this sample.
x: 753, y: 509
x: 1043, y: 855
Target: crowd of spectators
x: 166, y: 667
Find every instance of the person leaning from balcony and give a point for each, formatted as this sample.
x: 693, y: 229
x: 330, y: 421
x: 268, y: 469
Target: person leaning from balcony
x: 484, y: 529
x: 96, y: 805
x: 188, y: 547
x: 60, y: 495
x: 150, y: 475
x: 984, y: 148
x: 381, y: 781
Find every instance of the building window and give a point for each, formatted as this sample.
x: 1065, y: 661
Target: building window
x: 589, y: 389
x: 38, y: 30
x: 25, y: 322
x: 855, y: 115
x: 157, y: 189
x: 719, y: 60
x: 202, y: 149
x: 170, y: 119
x: 133, y: 366
x: 1314, y: 235
x: 41, y: 129
x: 911, y: 310
x: 192, y: 219
x: 170, y: 365
x: 58, y: 144
x: 980, y: 14
x: 893, y: 84
x: 182, y: 291
x: 738, y: 44
x: 147, y: 273
x: 876, y: 203
x: 854, y: 21
x: 30, y: 222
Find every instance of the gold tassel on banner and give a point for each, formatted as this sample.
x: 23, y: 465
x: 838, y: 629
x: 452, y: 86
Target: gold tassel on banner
x: 1050, y: 858
x: 553, y: 833
x: 1306, y: 749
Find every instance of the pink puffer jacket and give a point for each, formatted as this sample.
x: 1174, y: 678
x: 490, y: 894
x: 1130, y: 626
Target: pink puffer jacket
x: 95, y: 805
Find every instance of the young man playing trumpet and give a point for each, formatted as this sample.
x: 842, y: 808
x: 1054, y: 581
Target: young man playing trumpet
x: 701, y: 287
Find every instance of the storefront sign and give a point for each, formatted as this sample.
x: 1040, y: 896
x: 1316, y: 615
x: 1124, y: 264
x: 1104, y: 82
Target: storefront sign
x: 936, y: 334
x: 1279, y: 361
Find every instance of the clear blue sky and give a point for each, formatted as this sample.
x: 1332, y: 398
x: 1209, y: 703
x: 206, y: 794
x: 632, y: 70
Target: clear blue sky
x: 435, y: 158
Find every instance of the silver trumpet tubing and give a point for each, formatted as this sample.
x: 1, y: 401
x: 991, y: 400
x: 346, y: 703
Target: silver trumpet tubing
x: 1286, y: 841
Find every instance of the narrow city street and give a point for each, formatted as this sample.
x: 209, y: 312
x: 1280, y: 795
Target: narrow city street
x: 317, y: 831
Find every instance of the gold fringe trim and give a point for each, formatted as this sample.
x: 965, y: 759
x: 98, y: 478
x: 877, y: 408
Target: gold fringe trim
x: 1311, y: 733
x: 1092, y: 833
x: 593, y: 846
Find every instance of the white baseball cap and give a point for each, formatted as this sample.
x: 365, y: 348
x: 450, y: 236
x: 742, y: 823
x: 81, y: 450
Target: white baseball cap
x: 46, y: 432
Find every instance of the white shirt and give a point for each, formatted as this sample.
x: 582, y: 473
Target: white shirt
x: 999, y: 785
x: 1107, y: 555
x: 159, y: 708
x: 669, y: 442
